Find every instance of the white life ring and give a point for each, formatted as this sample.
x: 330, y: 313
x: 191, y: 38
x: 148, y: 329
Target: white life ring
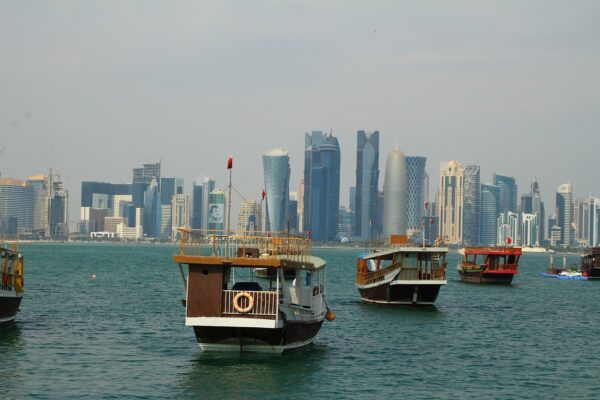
x: 237, y: 298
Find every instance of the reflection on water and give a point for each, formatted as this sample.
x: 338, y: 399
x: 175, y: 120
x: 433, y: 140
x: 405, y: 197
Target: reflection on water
x: 10, y: 336
x: 251, y: 375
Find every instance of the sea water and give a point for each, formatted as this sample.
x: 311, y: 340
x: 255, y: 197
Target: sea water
x: 122, y: 334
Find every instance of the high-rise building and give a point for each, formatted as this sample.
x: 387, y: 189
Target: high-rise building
x: 217, y: 218
x: 593, y: 222
x: 490, y: 204
x: 202, y: 188
x: 450, y: 202
x: 508, y: 228
x: 321, y: 185
x: 471, y: 205
x: 147, y: 173
x: 508, y: 192
x: 415, y: 191
x: 537, y: 207
x: 529, y: 230
x: 17, y: 201
x: 276, y: 164
x: 367, y: 183
x: 564, y: 213
x: 59, y: 211
x: 100, y: 195
x: 301, y: 206
x: 394, y: 194
x: 169, y: 187
x: 250, y: 217
x: 579, y: 210
x: 41, y: 204
x: 345, y: 224
x: 293, y: 213
x: 180, y: 213
x: 526, y: 203
x: 152, y: 211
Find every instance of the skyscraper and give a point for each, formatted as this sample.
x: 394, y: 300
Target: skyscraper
x: 415, y: 190
x: 276, y: 164
x: 490, y: 204
x: 508, y: 228
x: 508, y: 192
x: 41, y: 204
x: 217, y: 217
x: 180, y: 213
x: 471, y: 206
x: 152, y: 211
x: 321, y: 185
x: 199, y: 214
x: 593, y: 222
x: 529, y: 230
x: 147, y: 173
x: 59, y: 211
x: 450, y: 202
x: 17, y: 200
x: 169, y: 187
x: 250, y: 217
x: 564, y: 213
x: 537, y: 208
x: 394, y: 194
x: 367, y: 182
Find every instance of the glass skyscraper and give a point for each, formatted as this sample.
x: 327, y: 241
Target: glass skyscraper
x: 367, y: 182
x: 321, y: 185
x: 200, y: 192
x: 564, y: 213
x: 17, y: 200
x: 508, y: 192
x: 471, y: 205
x: 490, y: 204
x: 415, y: 203
x: 152, y: 211
x: 276, y: 164
x: 451, y: 202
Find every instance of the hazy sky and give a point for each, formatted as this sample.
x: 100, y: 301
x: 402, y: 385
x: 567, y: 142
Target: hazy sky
x: 95, y: 88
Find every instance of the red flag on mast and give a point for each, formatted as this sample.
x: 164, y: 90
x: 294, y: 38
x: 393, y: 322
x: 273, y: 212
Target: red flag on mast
x: 508, y: 240
x: 263, y: 194
x: 230, y: 162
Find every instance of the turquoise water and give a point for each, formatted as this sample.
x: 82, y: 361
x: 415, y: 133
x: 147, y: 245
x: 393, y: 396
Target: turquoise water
x: 123, y: 334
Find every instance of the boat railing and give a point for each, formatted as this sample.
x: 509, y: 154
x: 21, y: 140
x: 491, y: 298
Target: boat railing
x: 367, y: 278
x: 422, y: 274
x: 217, y: 243
x: 264, y: 303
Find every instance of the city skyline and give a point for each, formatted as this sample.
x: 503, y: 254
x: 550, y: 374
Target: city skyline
x: 94, y: 100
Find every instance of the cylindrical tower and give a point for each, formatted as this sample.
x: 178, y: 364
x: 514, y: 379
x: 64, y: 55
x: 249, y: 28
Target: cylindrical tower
x: 394, y: 194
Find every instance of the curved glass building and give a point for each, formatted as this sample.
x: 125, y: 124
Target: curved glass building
x: 276, y: 164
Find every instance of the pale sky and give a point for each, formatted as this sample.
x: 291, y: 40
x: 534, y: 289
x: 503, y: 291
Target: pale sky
x: 96, y: 88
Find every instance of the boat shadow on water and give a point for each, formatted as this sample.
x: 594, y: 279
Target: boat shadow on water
x: 10, y: 335
x: 228, y: 374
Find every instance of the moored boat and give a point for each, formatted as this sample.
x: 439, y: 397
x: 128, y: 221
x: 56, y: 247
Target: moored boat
x: 563, y: 272
x: 401, y: 274
x: 489, y: 264
x: 231, y: 310
x: 11, y: 288
x: 590, y: 263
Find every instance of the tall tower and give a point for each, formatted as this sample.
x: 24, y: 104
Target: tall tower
x: 321, y: 185
x: 564, y: 213
x: 537, y: 207
x: 450, y: 202
x: 471, y: 206
x: 415, y: 192
x: 394, y: 194
x: 201, y: 189
x: 250, y: 217
x: 276, y: 164
x: 367, y: 182
x: 508, y: 192
x: 490, y: 204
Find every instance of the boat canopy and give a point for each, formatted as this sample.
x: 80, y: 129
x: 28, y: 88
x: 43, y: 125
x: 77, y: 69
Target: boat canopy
x: 493, y: 251
x: 389, y: 254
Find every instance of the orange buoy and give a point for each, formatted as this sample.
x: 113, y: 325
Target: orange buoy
x: 330, y: 315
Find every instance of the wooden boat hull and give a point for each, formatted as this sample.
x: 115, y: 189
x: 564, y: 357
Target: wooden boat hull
x: 293, y: 335
x: 9, y: 306
x: 398, y: 293
x: 479, y: 276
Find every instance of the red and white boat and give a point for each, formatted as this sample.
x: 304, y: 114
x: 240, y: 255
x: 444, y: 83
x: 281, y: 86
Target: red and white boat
x: 11, y: 288
x: 489, y: 264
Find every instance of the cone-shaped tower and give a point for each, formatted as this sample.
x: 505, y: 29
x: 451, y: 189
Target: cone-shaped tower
x: 394, y: 194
